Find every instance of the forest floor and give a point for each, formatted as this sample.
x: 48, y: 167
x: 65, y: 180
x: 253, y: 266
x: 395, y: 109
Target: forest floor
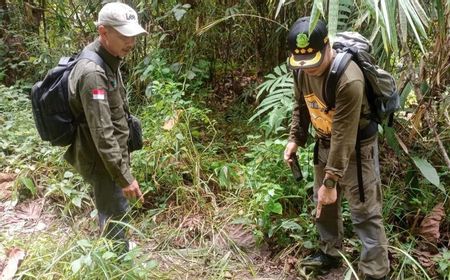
x: 38, y: 231
x: 44, y: 234
x: 30, y: 219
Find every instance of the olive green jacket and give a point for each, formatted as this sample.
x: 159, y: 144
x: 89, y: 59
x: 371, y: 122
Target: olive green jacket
x: 98, y: 99
x: 349, y: 114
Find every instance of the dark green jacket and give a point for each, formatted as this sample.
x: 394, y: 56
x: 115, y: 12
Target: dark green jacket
x: 98, y: 99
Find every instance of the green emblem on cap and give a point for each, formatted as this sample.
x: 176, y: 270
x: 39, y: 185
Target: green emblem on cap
x: 302, y: 40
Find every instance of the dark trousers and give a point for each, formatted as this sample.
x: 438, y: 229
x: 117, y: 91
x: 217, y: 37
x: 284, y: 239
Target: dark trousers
x: 111, y: 204
x: 366, y: 216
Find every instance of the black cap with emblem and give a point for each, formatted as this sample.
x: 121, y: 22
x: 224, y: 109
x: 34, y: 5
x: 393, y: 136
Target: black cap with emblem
x: 307, y: 51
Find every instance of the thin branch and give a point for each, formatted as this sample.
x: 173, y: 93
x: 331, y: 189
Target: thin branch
x: 44, y: 22
x: 77, y: 16
x: 431, y: 110
x: 447, y: 117
x: 432, y: 126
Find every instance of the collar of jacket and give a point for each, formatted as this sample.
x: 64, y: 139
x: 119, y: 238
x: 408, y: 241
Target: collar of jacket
x: 112, y: 61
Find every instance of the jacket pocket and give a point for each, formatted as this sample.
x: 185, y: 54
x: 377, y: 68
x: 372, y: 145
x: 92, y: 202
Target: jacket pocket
x: 116, y: 105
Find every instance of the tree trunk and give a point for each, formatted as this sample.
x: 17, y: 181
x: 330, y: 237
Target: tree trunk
x: 33, y: 15
x: 4, y: 11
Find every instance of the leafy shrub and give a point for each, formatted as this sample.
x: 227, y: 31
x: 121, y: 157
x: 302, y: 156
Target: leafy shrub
x: 276, y: 107
x: 278, y: 205
x: 444, y: 264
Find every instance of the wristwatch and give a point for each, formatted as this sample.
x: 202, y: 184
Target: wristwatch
x: 329, y: 183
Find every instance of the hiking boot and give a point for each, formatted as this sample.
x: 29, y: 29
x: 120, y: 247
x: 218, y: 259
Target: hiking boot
x: 321, y: 261
x: 372, y: 278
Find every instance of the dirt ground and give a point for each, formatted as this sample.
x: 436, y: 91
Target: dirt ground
x: 28, y: 218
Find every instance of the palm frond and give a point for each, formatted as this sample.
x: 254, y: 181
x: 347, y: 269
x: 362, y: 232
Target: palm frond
x: 403, y: 25
x: 392, y: 26
x: 280, y: 4
x: 316, y: 11
x: 333, y: 16
x: 421, y: 12
x: 403, y: 5
x: 386, y: 19
x: 276, y: 106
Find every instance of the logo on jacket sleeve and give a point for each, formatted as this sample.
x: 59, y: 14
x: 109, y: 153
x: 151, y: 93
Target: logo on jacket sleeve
x: 98, y: 94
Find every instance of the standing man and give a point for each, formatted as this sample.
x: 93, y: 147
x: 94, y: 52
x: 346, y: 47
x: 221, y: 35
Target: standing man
x: 97, y: 97
x: 334, y: 155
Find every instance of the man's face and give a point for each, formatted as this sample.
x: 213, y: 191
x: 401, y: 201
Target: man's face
x: 116, y: 43
x: 319, y: 70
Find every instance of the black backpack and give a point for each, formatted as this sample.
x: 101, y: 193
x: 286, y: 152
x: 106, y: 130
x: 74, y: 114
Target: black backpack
x: 381, y: 89
x: 53, y: 118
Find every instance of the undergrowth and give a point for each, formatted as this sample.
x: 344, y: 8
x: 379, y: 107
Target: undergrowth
x: 209, y: 207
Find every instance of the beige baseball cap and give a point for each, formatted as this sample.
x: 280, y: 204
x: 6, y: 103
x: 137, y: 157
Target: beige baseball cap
x: 122, y: 18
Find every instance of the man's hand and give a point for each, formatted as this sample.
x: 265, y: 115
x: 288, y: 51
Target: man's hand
x: 291, y: 148
x: 133, y: 191
x: 325, y: 196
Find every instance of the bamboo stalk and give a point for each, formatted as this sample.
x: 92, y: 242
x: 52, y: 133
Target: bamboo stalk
x: 427, y: 117
x: 77, y: 16
x: 432, y: 126
x: 44, y: 22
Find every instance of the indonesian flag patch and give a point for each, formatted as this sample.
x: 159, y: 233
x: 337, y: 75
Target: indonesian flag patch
x: 98, y: 94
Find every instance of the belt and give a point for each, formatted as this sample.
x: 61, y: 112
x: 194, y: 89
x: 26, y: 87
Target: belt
x: 370, y: 130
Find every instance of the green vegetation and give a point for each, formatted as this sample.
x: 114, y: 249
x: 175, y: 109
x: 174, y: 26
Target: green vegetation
x: 214, y: 96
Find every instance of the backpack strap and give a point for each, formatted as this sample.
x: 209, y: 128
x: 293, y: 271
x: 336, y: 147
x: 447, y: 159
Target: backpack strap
x: 359, y: 168
x: 390, y: 120
x: 97, y: 59
x: 338, y: 67
x: 296, y: 74
x: 316, y: 152
x: 94, y: 57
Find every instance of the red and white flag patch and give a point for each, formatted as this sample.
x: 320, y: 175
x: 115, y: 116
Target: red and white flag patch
x: 98, y: 94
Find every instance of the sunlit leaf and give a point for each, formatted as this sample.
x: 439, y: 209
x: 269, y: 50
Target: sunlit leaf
x: 84, y: 243
x: 109, y: 255
x: 77, y: 201
x: 280, y: 4
x: 93, y: 213
x: 29, y: 184
x: 179, y: 11
x: 276, y: 208
x: 150, y: 264
x: 290, y: 225
x: 308, y: 244
x: 428, y: 171
x: 77, y: 264
x: 190, y: 75
x: 389, y: 133
x: 316, y: 11
x: 405, y: 93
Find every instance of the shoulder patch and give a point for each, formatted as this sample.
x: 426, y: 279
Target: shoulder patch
x: 98, y: 94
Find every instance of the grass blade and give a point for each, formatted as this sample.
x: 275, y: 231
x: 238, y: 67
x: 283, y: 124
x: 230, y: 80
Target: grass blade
x: 412, y: 259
